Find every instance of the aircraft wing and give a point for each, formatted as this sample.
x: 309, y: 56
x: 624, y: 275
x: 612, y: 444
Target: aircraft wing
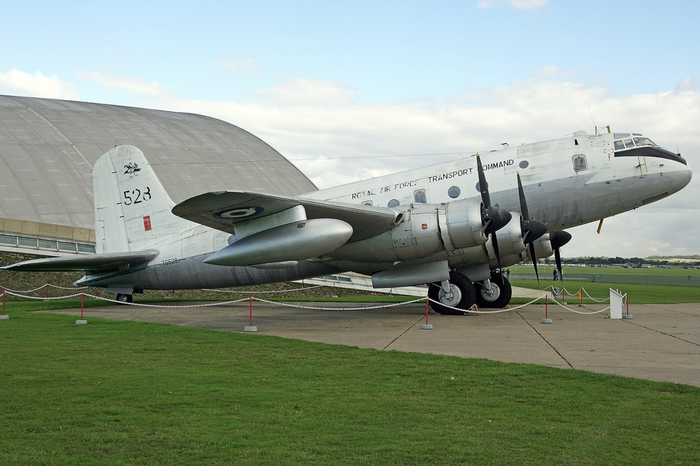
x: 93, y: 264
x: 222, y: 210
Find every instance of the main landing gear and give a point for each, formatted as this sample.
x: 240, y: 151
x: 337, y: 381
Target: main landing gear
x: 461, y: 293
x: 125, y: 298
x: 494, y: 293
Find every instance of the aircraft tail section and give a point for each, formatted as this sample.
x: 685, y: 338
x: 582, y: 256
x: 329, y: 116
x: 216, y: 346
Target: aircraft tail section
x: 132, y: 209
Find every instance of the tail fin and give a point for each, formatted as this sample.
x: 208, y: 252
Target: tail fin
x: 132, y: 209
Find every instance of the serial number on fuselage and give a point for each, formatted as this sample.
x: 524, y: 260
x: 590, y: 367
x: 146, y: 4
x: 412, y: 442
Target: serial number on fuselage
x: 170, y: 261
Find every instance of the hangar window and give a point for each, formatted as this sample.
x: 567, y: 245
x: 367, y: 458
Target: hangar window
x: 420, y: 196
x: 580, y: 163
x: 393, y: 203
x: 454, y: 192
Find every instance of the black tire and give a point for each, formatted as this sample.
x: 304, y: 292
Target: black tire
x: 500, y: 296
x: 464, y: 295
x: 124, y: 298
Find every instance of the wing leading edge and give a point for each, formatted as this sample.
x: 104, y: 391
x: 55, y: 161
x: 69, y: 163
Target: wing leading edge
x: 222, y: 210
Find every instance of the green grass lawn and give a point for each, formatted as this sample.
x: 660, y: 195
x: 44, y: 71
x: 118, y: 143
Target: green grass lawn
x: 638, y: 293
x: 135, y: 393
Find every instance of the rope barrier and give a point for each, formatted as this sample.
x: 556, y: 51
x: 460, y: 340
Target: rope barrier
x: 319, y: 308
x: 43, y: 287
x: 18, y: 294
x: 579, y: 312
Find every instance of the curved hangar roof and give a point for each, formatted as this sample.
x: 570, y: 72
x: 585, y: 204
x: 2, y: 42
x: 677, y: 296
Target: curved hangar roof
x: 48, y: 148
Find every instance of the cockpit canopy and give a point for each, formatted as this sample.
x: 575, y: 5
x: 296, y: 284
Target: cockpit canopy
x: 637, y: 145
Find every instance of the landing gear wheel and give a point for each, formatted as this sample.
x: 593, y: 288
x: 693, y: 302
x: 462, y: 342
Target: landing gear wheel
x: 463, y: 295
x: 499, y: 295
x: 124, y: 298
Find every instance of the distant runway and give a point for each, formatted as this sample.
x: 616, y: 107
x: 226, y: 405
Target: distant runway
x: 661, y: 342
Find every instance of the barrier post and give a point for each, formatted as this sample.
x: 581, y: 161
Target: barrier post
x: 580, y: 298
x: 81, y: 321
x: 250, y: 327
x: 4, y: 316
x: 426, y: 325
x: 627, y: 314
x: 546, y: 319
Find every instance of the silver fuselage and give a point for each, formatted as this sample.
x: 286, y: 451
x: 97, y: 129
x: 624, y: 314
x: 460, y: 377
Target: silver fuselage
x: 568, y: 182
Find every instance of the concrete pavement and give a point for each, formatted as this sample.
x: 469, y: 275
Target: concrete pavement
x: 661, y: 342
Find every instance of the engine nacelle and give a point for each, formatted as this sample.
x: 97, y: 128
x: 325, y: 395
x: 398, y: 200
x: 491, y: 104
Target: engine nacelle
x: 510, y: 240
x: 426, y: 229
x: 462, y: 223
x: 543, y: 248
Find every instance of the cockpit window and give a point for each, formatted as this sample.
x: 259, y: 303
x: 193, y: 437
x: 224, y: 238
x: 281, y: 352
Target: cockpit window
x: 625, y: 142
x: 643, y: 141
x: 636, y: 145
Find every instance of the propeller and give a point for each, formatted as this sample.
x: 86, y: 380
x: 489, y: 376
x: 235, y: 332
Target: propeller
x: 493, y: 218
x: 532, y: 229
x: 559, y: 239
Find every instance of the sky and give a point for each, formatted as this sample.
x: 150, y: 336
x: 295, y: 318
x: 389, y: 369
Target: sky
x: 350, y: 90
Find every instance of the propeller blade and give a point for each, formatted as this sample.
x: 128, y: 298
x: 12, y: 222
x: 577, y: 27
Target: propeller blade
x: 494, y: 240
x: 534, y: 261
x: 557, y: 260
x: 493, y: 218
x: 483, y: 185
x: 531, y: 229
x: 523, y: 202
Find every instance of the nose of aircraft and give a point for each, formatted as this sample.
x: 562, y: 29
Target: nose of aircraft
x: 686, y: 174
x: 677, y: 176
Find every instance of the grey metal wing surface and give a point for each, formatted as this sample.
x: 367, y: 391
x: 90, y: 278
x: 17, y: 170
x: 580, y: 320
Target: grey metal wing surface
x: 222, y: 210
x: 97, y: 263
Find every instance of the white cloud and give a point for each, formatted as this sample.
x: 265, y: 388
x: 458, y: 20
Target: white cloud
x: 687, y: 84
x: 126, y: 84
x: 35, y: 85
x: 309, y: 92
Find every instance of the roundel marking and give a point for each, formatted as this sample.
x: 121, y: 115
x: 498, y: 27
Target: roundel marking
x: 240, y: 212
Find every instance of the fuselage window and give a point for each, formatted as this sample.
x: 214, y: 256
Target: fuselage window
x: 580, y: 163
x: 454, y: 192
x: 393, y: 203
x: 420, y: 196
x: 524, y: 164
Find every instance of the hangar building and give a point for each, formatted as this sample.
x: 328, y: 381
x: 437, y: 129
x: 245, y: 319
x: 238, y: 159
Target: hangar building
x: 48, y: 148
